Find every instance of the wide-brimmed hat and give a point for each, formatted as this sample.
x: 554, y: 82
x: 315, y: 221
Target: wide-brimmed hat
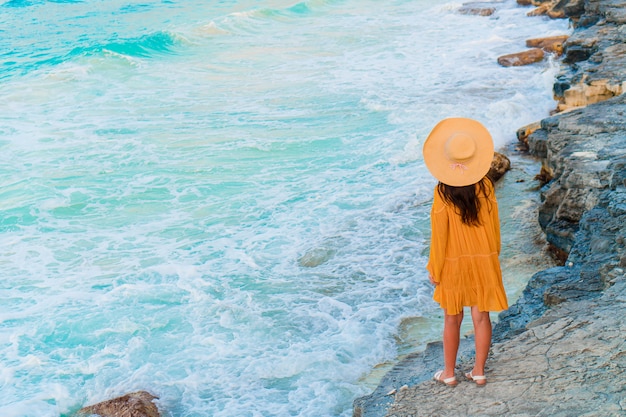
x: 458, y: 151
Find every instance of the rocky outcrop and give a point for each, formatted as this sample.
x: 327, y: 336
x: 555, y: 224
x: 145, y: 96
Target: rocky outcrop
x: 580, y: 148
x: 557, y: 9
x: 560, y: 349
x: 135, y: 404
x: 550, y: 44
x: 517, y: 59
x: 596, y: 262
x: 596, y: 57
x: 539, y: 47
x: 583, y: 152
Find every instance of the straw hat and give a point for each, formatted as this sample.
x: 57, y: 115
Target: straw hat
x: 458, y: 151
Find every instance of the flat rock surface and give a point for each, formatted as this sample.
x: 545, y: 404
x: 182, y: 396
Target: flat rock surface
x: 570, y: 362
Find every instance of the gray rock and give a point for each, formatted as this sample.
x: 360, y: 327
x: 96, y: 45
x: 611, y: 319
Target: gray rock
x: 582, y: 150
x: 565, y: 364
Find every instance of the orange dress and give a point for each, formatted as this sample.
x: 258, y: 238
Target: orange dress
x: 464, y: 259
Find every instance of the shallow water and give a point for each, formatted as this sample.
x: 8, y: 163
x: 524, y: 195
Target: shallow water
x: 224, y: 203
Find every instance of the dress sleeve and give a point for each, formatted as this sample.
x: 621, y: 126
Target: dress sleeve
x: 438, y: 237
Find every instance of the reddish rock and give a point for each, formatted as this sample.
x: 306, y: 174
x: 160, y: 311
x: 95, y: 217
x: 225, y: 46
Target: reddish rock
x: 521, y: 58
x: 135, y: 404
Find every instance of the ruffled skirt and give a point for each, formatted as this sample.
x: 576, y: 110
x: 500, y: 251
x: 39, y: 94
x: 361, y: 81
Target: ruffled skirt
x: 474, y: 280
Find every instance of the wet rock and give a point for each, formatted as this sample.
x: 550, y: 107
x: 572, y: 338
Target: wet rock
x: 316, y: 257
x: 551, y: 44
x: 539, y: 11
x: 559, y: 9
x: 562, y: 9
x: 524, y: 132
x: 322, y: 253
x: 521, y: 58
x: 499, y: 166
x: 477, y: 9
x: 415, y: 369
x: 136, y: 404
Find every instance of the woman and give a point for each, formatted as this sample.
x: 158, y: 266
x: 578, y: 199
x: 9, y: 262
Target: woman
x: 465, y: 238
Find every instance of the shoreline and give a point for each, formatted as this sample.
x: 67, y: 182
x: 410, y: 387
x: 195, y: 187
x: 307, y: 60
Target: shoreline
x: 559, y: 350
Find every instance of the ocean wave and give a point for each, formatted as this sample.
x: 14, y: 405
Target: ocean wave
x: 148, y: 46
x: 27, y: 3
x: 158, y: 44
x: 254, y: 19
x: 17, y: 3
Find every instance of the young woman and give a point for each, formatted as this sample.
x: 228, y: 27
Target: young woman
x: 465, y: 238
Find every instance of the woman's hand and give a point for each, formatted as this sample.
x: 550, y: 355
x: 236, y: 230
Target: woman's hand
x: 432, y: 280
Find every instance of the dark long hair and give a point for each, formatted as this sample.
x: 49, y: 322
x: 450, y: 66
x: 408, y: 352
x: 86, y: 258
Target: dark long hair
x: 465, y: 199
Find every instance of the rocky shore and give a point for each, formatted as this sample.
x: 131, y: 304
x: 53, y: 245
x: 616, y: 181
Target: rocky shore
x: 560, y: 350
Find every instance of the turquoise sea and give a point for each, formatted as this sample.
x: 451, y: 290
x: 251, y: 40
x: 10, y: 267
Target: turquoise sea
x: 224, y: 202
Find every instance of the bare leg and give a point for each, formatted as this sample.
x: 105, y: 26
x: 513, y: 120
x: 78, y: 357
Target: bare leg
x: 482, y: 335
x: 451, y: 337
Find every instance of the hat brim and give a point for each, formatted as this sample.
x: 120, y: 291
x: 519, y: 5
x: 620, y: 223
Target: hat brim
x: 449, y: 172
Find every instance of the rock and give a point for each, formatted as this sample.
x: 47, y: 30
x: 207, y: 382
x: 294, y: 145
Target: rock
x: 593, y: 264
x: 583, y: 149
x: 316, y: 257
x: 551, y: 44
x: 477, y: 9
x: 321, y: 253
x: 539, y: 11
x: 562, y: 9
x: 596, y: 54
x: 524, y: 132
x: 499, y: 166
x: 584, y: 94
x: 136, y: 404
x: 559, y: 9
x: 521, y: 58
x: 543, y: 177
x: 564, y: 364
x: 415, y: 369
x: 612, y: 11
